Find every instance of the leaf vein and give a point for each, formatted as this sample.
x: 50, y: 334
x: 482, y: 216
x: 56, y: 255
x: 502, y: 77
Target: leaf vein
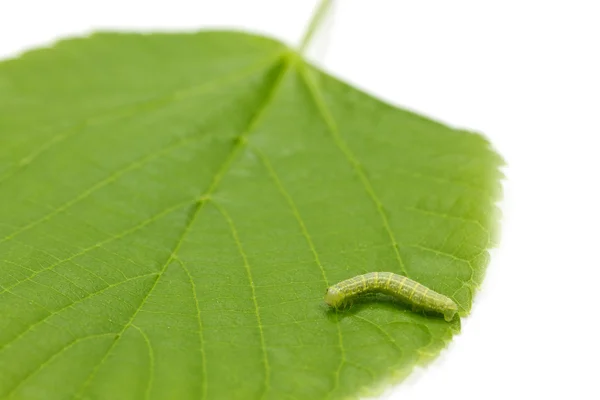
x: 316, y: 95
x: 236, y: 238
x: 298, y: 217
x: 200, y: 329
x: 121, y: 235
x: 52, y: 358
x: 151, y: 359
x: 135, y: 108
x: 389, y: 338
x: 56, y: 312
x: 194, y: 213
x: 239, y: 144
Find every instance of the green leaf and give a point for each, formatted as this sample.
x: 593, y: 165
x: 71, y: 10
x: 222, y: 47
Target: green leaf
x: 173, y: 208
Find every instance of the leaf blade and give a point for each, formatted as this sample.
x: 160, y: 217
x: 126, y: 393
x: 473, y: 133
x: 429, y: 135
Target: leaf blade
x: 235, y: 204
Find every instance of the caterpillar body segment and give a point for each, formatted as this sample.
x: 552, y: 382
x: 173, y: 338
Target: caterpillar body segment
x: 398, y: 286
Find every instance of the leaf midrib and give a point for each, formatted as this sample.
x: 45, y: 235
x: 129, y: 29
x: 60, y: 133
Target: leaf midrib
x: 240, y: 143
x: 282, y: 57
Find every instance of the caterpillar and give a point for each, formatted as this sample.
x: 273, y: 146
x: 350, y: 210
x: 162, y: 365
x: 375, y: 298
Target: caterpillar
x: 398, y: 286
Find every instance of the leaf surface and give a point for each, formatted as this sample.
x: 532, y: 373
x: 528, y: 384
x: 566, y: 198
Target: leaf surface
x: 173, y: 208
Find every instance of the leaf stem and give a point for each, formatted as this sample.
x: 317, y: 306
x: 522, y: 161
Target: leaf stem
x: 316, y: 19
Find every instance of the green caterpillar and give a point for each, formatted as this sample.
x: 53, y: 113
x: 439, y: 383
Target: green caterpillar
x: 395, y: 285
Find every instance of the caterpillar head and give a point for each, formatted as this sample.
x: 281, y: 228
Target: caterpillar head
x: 334, y: 297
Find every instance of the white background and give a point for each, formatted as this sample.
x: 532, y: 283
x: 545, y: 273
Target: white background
x: 524, y: 72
